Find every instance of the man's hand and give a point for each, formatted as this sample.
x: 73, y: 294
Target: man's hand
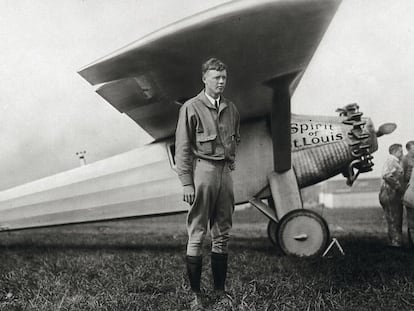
x: 188, y: 194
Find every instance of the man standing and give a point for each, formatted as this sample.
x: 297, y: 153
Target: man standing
x: 206, y: 137
x: 407, y: 164
x: 391, y: 192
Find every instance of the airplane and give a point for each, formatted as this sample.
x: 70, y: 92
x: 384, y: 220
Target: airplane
x: 267, y: 46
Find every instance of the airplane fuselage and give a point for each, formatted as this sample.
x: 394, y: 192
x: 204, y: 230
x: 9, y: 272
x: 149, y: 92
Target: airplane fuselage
x: 143, y: 181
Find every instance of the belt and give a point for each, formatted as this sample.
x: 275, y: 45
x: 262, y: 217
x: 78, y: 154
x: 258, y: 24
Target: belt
x: 218, y: 161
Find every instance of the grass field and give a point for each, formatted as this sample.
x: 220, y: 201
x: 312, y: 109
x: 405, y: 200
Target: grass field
x: 139, y: 265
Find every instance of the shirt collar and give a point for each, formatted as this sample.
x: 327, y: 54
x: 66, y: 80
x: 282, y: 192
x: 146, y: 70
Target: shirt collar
x: 211, y: 99
x: 202, y: 96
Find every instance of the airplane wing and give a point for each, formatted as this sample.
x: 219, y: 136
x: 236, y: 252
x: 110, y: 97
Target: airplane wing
x: 258, y: 40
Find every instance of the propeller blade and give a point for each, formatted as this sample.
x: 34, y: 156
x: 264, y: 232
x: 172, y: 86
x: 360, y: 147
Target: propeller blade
x: 386, y: 128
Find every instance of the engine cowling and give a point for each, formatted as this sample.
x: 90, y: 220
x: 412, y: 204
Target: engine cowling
x: 323, y: 147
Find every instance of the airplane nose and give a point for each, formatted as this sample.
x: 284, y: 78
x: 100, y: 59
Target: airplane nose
x: 364, y: 141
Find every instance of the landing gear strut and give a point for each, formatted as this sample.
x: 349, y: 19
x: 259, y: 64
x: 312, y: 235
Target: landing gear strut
x: 272, y: 226
x: 297, y: 231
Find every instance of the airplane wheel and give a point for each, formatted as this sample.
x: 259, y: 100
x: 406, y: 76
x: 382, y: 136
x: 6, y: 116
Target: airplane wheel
x: 303, y: 233
x: 272, y: 228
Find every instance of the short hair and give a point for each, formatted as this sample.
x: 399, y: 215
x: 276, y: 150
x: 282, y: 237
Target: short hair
x: 409, y: 144
x: 393, y: 148
x: 212, y: 64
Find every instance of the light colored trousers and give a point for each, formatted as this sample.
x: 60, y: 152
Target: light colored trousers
x: 213, y: 205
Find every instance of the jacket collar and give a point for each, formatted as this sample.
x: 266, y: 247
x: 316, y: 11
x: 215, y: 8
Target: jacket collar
x: 203, y: 98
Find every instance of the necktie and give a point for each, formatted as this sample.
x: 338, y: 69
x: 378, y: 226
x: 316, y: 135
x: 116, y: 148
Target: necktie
x: 217, y: 103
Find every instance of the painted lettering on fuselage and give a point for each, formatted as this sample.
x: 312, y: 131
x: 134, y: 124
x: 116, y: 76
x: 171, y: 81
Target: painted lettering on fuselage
x: 306, y: 134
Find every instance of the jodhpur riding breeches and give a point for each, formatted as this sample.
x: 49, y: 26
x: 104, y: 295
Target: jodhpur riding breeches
x: 213, y: 205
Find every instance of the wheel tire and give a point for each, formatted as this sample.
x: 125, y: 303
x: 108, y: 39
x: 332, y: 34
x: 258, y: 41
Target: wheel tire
x: 303, y: 233
x: 272, y: 228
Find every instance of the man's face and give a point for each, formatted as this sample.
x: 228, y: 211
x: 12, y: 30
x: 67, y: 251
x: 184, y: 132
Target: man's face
x: 411, y: 151
x: 399, y: 153
x: 215, y: 82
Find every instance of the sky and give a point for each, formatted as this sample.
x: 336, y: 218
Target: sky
x: 48, y: 112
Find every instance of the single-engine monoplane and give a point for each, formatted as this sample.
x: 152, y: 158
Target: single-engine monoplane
x: 267, y: 46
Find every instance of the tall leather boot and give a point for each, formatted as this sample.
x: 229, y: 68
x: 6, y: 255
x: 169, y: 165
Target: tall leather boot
x: 411, y: 237
x: 219, y: 268
x: 194, y: 267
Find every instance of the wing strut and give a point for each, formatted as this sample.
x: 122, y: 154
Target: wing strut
x: 280, y: 120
